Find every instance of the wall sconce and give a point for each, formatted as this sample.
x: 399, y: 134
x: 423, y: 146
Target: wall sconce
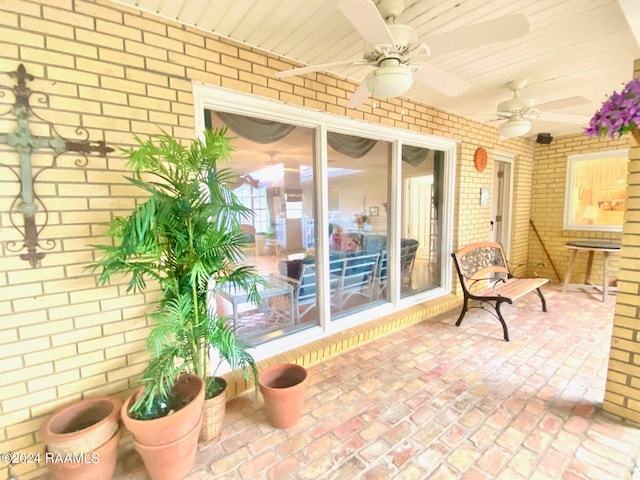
x: 25, y: 143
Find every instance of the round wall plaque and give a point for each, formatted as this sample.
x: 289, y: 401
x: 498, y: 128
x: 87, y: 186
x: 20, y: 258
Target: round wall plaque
x: 480, y: 159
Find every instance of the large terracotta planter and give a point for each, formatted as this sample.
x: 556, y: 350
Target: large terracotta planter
x: 282, y: 387
x: 99, y: 464
x: 213, y: 410
x: 171, y: 461
x: 159, y: 431
x: 168, y: 444
x: 82, y: 426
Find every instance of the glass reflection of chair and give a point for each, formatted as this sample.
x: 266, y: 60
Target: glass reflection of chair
x: 250, y: 234
x: 302, y: 275
x: 408, y: 251
x: 358, y: 277
x: 380, y: 276
x: 283, y: 307
x: 308, y: 285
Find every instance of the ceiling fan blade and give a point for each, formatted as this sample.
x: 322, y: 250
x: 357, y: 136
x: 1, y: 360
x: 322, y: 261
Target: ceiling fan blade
x: 496, y: 116
x: 360, y: 96
x: 440, y: 80
x: 565, y: 118
x: 318, y: 68
x: 500, y: 29
x: 564, y: 103
x: 366, y: 19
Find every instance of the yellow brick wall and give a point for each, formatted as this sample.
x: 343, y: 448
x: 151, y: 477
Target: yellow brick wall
x: 117, y: 72
x: 547, y: 208
x: 622, y: 395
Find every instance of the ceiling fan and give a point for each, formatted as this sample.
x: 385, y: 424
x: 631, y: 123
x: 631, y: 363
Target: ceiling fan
x: 398, y: 56
x: 520, y: 111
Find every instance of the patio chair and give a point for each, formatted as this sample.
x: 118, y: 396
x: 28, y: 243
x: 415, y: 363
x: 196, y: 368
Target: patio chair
x: 408, y: 251
x: 358, y: 277
x: 302, y: 275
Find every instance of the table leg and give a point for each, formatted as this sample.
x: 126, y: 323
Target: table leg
x: 292, y: 306
x: 567, y: 276
x: 587, y: 275
x: 235, y: 313
x: 605, y: 275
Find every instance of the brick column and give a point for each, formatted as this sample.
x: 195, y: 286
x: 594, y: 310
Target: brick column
x: 622, y: 396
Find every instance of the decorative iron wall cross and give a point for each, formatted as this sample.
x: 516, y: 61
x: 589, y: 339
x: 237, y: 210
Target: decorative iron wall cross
x: 27, y: 204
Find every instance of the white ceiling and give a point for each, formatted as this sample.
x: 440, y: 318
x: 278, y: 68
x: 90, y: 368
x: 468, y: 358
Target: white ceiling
x: 582, y: 48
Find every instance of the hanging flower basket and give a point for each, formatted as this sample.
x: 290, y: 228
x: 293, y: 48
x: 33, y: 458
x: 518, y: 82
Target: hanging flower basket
x: 620, y: 114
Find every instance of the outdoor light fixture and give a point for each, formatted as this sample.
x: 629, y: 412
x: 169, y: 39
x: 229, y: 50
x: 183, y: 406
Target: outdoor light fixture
x: 390, y: 80
x: 514, y: 127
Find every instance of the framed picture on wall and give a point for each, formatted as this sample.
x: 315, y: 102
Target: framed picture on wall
x: 373, y: 211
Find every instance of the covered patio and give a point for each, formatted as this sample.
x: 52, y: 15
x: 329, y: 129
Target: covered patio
x: 443, y: 402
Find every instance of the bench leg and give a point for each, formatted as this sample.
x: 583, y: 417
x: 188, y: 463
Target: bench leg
x: 544, y: 302
x: 465, y: 306
x: 504, y: 324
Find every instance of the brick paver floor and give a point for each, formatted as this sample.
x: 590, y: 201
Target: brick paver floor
x: 439, y: 402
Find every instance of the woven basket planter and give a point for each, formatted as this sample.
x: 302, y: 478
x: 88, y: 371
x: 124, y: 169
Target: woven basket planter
x: 636, y: 134
x: 213, y: 415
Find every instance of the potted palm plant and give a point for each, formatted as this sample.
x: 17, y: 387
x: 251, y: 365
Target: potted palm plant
x: 186, y: 238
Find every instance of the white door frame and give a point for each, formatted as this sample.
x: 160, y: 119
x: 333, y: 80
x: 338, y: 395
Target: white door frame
x: 507, y: 200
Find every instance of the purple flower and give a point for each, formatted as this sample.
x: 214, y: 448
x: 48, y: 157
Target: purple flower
x: 619, y: 114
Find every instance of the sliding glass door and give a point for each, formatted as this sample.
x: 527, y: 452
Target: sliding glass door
x: 352, y: 220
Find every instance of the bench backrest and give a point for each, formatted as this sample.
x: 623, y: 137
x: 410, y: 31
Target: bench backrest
x: 479, y: 261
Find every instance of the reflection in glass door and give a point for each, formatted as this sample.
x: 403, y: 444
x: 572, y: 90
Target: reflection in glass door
x: 274, y: 165
x: 358, y: 175
x: 419, y: 256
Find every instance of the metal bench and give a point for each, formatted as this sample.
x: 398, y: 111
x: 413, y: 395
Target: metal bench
x: 485, y: 276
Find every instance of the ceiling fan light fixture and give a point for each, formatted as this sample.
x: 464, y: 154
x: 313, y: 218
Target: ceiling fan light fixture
x: 390, y: 81
x: 514, y: 127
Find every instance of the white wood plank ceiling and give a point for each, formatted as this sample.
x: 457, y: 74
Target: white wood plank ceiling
x: 583, y: 48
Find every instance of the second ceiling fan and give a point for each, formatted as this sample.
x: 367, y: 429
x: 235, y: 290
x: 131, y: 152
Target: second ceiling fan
x: 520, y: 111
x: 399, y: 58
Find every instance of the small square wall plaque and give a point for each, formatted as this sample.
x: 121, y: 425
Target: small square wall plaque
x: 484, y: 197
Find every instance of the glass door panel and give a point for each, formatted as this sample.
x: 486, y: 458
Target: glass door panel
x: 274, y: 164
x: 358, y: 181
x: 420, y: 244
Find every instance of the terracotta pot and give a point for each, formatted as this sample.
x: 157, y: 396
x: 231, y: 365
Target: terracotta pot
x: 282, y: 387
x: 159, y: 431
x: 171, y: 461
x: 213, y: 410
x: 82, y: 426
x: 99, y: 464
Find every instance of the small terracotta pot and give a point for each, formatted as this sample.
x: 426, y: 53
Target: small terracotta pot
x: 99, y: 464
x: 213, y: 410
x: 82, y: 426
x: 282, y: 387
x: 159, y: 431
x: 171, y: 461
